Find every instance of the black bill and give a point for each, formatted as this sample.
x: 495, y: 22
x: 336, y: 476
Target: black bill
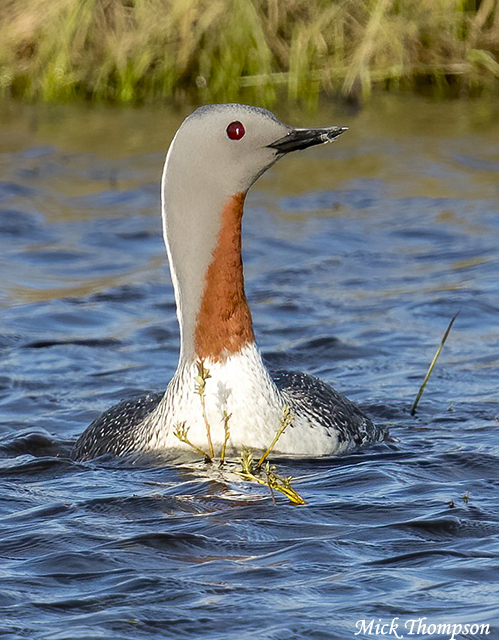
x: 298, y: 139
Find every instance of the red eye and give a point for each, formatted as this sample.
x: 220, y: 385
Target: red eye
x: 235, y: 130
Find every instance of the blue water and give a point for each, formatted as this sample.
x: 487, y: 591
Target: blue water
x: 357, y: 255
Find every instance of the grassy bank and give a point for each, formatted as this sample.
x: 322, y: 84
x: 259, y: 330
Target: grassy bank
x: 257, y: 50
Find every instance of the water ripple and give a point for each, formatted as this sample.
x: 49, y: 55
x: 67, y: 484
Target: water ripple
x: 356, y: 257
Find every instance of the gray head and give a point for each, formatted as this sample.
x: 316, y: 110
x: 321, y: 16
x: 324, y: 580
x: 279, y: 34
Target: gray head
x: 233, y: 144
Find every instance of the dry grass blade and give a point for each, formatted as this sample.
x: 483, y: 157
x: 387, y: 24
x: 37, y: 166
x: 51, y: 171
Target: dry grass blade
x: 432, y: 365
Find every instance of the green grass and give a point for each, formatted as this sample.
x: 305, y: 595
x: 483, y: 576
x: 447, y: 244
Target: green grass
x: 130, y: 51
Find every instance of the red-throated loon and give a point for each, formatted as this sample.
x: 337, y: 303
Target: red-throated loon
x: 216, y: 155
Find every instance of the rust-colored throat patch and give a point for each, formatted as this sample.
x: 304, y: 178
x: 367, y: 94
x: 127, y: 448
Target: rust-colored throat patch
x: 224, y: 325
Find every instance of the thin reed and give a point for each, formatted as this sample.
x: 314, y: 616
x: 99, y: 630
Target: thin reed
x: 130, y: 51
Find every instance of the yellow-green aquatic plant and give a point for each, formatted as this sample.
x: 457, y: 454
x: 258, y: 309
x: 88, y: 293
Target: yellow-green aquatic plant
x: 249, y: 471
x: 226, y: 417
x: 272, y: 480
x: 181, y: 432
x: 200, y: 386
x: 286, y: 420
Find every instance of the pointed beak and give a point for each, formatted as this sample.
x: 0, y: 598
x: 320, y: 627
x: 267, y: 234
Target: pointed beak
x: 298, y: 139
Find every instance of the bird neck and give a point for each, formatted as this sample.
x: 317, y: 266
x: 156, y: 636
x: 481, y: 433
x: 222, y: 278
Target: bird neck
x: 223, y: 324
x: 202, y: 232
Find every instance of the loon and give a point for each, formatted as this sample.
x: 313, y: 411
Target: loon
x: 218, y: 152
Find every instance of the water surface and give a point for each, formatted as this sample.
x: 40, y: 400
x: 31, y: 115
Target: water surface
x: 356, y: 257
